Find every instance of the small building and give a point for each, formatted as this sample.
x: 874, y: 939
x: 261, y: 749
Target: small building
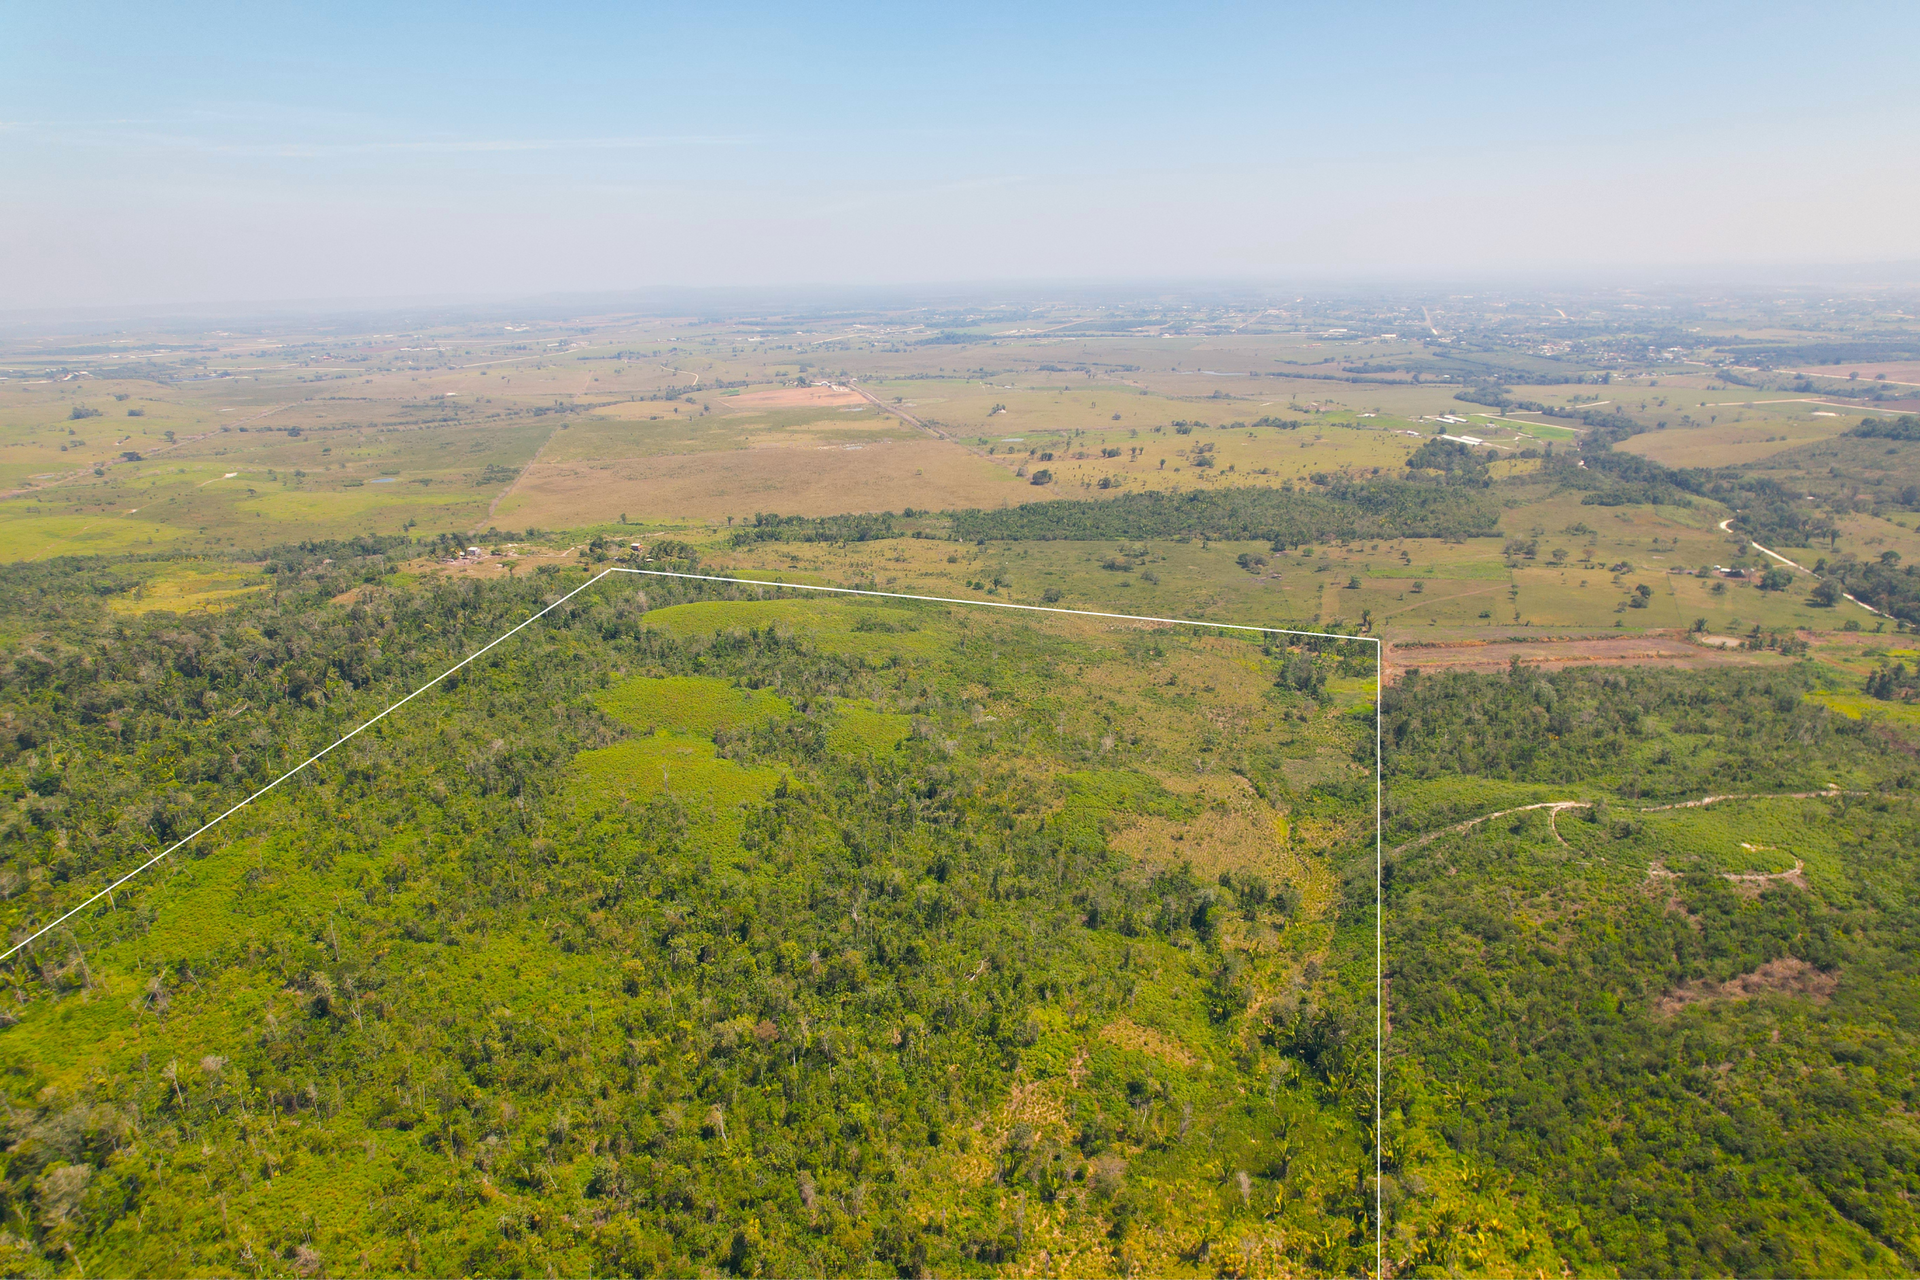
x: 474, y: 553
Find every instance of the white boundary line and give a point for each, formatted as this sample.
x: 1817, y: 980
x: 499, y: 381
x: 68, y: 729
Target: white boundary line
x: 1379, y: 655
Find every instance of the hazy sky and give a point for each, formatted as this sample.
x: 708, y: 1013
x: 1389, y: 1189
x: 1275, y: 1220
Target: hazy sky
x: 155, y: 153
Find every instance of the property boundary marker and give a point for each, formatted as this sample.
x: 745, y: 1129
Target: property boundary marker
x: 1379, y: 662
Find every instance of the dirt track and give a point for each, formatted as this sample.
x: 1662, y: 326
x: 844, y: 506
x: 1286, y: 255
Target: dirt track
x: 1555, y: 806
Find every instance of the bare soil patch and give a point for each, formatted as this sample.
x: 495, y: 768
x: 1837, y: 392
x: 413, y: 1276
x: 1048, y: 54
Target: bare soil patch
x: 1785, y: 976
x: 793, y: 398
x: 524, y: 562
x: 812, y: 481
x: 1645, y: 649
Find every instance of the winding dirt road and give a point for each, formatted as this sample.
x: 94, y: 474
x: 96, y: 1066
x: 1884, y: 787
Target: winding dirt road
x: 1557, y: 805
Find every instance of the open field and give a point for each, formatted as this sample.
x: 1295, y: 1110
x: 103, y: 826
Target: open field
x: 612, y: 424
x: 1731, y: 443
x: 882, y: 475
x: 1494, y: 656
x: 1903, y: 372
x: 1407, y: 586
x: 459, y: 412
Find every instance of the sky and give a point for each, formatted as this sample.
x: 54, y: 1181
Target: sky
x: 157, y: 154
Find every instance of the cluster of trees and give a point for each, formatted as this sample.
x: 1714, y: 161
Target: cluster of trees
x: 1777, y: 517
x: 1612, y: 479
x: 1457, y: 463
x: 768, y: 527
x: 1904, y: 427
x: 1882, y: 582
x: 367, y: 558
x: 1379, y: 509
x: 1488, y: 393
x: 1893, y: 684
x: 1625, y: 727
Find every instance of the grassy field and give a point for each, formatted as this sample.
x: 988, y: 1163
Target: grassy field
x: 249, y: 440
x: 1406, y: 586
x: 565, y: 425
x: 1747, y: 436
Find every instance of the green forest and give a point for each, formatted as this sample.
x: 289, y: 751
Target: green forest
x: 1684, y: 1033
x: 686, y: 932
x: 1284, y: 516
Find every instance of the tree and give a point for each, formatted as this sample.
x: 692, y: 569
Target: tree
x: 1776, y: 579
x: 1827, y: 593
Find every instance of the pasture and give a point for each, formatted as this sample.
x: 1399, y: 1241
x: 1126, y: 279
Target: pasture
x: 617, y: 425
x: 1409, y: 586
x: 311, y: 433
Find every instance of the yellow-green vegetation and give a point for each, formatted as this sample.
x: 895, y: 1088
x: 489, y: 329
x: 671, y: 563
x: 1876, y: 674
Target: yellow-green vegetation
x: 689, y: 704
x: 863, y: 728
x: 1867, y: 680
x: 190, y: 587
x: 864, y: 630
x: 1860, y: 706
x: 679, y: 716
x: 677, y: 765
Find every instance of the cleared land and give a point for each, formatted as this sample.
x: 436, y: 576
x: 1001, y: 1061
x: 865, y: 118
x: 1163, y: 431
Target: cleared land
x: 1609, y: 651
x: 806, y: 480
x: 620, y: 425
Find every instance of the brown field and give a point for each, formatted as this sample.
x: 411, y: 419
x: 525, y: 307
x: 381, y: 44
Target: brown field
x: 792, y: 398
x: 1650, y: 649
x: 817, y: 481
